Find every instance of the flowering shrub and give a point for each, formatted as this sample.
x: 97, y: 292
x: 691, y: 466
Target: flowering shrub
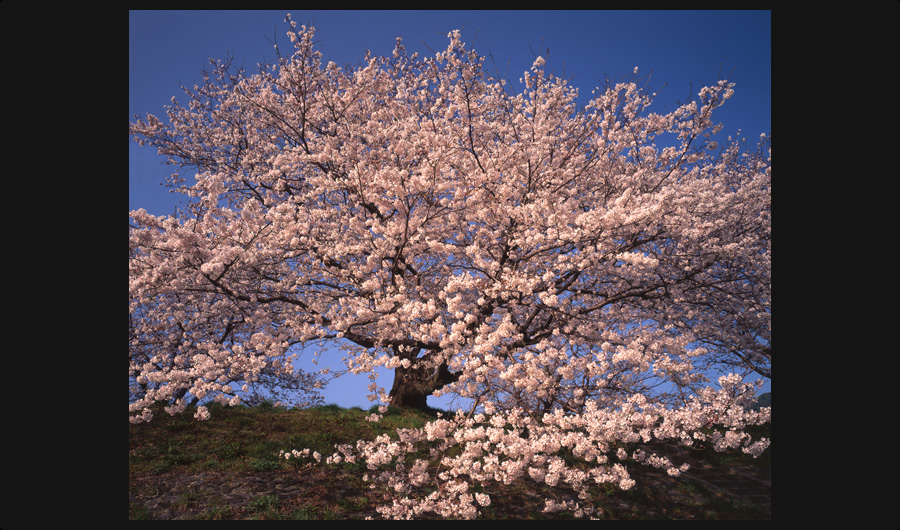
x: 573, y: 271
x: 473, y: 450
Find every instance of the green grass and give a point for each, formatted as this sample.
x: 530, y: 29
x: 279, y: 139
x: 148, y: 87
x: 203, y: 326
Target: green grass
x: 244, y: 439
x: 247, y: 441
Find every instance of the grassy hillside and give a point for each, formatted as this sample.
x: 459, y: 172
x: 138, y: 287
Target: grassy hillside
x: 229, y: 468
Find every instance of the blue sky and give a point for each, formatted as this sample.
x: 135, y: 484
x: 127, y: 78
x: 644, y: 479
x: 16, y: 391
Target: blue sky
x: 683, y: 49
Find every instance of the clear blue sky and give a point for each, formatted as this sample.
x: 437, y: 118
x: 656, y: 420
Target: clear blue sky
x: 683, y: 49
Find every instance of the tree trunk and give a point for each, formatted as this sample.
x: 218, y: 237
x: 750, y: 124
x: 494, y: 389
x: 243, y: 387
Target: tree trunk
x: 413, y: 385
x: 409, y: 390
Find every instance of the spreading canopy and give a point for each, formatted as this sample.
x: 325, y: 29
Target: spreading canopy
x: 515, y: 248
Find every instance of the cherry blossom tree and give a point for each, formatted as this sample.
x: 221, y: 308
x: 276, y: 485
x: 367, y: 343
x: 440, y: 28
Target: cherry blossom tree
x: 574, y: 270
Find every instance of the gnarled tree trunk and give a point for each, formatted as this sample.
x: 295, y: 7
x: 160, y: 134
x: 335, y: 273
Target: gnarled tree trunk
x: 413, y: 385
